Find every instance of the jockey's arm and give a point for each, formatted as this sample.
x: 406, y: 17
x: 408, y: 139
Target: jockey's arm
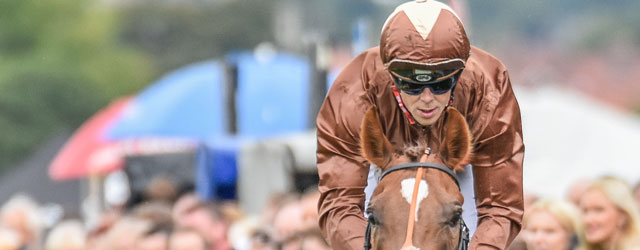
x: 342, y: 171
x: 497, y: 167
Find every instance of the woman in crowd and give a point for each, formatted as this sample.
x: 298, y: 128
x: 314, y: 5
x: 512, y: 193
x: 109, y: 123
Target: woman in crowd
x: 610, y: 216
x: 67, y: 235
x: 551, y: 225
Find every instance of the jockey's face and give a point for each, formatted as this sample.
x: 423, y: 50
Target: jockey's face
x: 426, y: 108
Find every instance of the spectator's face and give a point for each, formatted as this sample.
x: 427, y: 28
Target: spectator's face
x: 309, y: 205
x: 157, y: 241
x: 187, y: 241
x: 262, y: 241
x: 9, y: 239
x: 636, y: 196
x: 577, y: 189
x: 292, y: 244
x: 17, y: 220
x: 314, y: 243
x: 181, y: 206
x: 200, y: 220
x: 126, y: 233
x: 288, y: 221
x: 125, y: 242
x: 544, y: 232
x: 602, y: 219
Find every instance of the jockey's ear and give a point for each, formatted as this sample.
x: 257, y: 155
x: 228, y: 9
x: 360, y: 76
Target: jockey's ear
x: 455, y: 148
x: 375, y: 146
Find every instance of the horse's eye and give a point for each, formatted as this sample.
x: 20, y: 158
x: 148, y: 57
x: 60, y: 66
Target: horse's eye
x: 372, y: 218
x: 455, y: 219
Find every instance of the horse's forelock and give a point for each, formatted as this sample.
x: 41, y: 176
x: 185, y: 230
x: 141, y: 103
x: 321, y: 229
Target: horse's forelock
x: 414, y: 151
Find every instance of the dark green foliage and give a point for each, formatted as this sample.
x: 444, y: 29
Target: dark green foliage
x: 175, y: 35
x: 59, y: 63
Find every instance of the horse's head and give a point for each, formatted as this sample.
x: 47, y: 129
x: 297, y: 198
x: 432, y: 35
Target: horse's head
x: 438, y: 209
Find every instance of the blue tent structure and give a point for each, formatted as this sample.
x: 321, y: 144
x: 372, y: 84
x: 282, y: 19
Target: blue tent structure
x: 216, y: 167
x: 273, y: 94
x: 271, y: 100
x: 187, y: 103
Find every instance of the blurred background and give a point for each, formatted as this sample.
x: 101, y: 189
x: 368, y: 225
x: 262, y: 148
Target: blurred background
x: 108, y: 105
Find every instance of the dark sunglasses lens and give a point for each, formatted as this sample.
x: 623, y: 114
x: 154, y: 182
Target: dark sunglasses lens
x: 409, y: 88
x: 442, y: 87
x: 437, y: 88
x: 414, y: 90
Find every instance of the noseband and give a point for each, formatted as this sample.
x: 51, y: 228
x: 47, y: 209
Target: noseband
x: 463, y: 240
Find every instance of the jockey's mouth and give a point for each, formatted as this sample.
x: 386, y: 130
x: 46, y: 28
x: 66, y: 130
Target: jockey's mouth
x: 427, y: 113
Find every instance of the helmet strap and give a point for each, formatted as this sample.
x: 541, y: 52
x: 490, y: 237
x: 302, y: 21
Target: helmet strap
x: 451, y: 97
x: 396, y: 94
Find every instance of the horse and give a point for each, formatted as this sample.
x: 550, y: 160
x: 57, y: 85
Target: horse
x: 407, y: 214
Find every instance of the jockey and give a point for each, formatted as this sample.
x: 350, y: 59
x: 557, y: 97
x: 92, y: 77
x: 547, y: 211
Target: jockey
x: 424, y: 63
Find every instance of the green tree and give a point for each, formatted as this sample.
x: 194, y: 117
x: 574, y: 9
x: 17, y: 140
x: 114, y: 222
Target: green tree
x: 60, y: 61
x: 179, y: 33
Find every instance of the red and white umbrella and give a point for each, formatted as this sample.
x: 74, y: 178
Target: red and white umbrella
x: 87, y: 152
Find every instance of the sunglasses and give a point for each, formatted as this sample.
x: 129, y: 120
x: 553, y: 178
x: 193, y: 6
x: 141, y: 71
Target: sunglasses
x: 413, y: 84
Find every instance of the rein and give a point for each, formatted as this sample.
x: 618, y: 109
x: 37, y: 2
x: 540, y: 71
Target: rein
x: 463, y: 241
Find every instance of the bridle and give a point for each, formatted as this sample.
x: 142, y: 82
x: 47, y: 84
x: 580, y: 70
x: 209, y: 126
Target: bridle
x: 463, y: 241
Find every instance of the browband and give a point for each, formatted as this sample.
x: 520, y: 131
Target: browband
x: 423, y: 165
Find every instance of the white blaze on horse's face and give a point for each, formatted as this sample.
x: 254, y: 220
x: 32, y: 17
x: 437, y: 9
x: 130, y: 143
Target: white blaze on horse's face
x: 407, y: 191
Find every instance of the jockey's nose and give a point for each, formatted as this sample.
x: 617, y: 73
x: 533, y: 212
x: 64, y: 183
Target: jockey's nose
x: 426, y: 95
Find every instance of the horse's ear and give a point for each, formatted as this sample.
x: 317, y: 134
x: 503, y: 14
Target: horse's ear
x: 376, y: 148
x: 456, y: 145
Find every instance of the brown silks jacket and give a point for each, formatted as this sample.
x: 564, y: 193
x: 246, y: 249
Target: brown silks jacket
x: 483, y: 94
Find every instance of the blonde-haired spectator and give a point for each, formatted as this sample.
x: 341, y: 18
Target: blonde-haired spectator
x: 288, y: 221
x: 67, y: 235
x: 551, y: 225
x: 188, y: 239
x: 312, y: 239
x: 577, y: 189
x: 208, y: 220
x: 22, y: 214
x: 9, y: 239
x: 610, y: 216
x: 182, y: 206
x: 309, y: 203
x: 636, y: 194
x: 125, y: 233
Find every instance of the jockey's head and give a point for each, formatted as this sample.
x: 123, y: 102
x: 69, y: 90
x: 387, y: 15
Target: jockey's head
x: 425, y: 48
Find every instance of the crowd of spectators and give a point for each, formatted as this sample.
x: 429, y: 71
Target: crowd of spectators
x: 598, y: 214
x: 168, y: 220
